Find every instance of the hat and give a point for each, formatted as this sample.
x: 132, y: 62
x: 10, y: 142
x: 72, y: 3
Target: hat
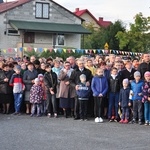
x: 147, y: 73
x: 82, y: 76
x: 40, y: 75
x: 125, y: 81
x: 36, y: 80
x: 18, y: 67
x: 137, y: 73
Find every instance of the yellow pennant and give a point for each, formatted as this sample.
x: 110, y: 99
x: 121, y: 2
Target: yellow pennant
x: 45, y: 49
x: 94, y: 50
x: 4, y: 50
x: 25, y: 48
x: 64, y: 50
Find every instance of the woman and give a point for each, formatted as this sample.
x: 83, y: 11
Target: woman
x: 66, y: 92
x: 28, y: 80
x: 6, y: 92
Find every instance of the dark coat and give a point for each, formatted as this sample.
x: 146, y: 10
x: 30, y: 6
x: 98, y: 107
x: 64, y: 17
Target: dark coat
x: 28, y: 76
x: 5, y: 88
x: 143, y: 67
x: 50, y: 81
x: 75, y: 76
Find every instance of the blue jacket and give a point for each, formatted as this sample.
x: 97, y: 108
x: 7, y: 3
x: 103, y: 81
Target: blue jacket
x: 83, y: 92
x: 124, y: 97
x: 99, y: 85
x: 137, y: 88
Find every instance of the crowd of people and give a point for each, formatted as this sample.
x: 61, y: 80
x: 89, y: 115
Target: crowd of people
x: 110, y: 87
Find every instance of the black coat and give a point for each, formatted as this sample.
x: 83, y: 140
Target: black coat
x: 28, y: 76
x: 50, y: 81
x: 5, y: 88
x: 143, y: 67
x: 75, y: 76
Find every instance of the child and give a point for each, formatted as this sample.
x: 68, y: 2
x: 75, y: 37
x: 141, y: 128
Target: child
x: 50, y: 81
x: 43, y: 104
x: 83, y: 93
x: 124, y: 101
x: 146, y: 97
x: 136, y: 87
x: 114, y: 88
x: 18, y: 87
x: 99, y: 87
x: 36, y: 95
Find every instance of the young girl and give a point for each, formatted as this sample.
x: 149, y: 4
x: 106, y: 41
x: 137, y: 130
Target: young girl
x: 146, y: 97
x: 124, y: 101
x: 36, y: 95
x: 99, y: 87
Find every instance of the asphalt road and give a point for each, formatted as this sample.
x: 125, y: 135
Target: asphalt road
x: 42, y: 133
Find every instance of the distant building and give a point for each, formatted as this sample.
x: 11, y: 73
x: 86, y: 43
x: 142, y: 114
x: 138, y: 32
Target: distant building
x: 90, y: 19
x: 39, y: 24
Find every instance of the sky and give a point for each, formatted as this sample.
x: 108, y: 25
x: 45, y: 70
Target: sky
x: 110, y: 10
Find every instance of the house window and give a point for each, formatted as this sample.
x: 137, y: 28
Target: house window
x: 42, y: 10
x: 60, y: 40
x: 29, y: 37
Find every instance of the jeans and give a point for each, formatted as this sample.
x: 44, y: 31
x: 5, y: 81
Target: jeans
x: 125, y: 113
x: 17, y: 101
x: 83, y: 108
x: 51, y: 103
x: 147, y: 111
x: 43, y: 107
x: 34, y: 107
x: 137, y: 109
x: 97, y: 106
x: 113, y: 102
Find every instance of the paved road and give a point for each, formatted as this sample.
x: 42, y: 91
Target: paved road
x: 32, y: 133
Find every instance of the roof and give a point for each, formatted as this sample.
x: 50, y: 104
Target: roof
x: 99, y: 22
x: 5, y: 6
x: 48, y: 27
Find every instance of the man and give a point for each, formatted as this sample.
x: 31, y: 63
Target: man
x: 72, y: 61
x: 32, y: 59
x: 75, y: 80
x: 145, y: 66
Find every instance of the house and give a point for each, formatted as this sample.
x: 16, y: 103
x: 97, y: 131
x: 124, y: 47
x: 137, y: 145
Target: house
x: 40, y: 24
x: 90, y: 19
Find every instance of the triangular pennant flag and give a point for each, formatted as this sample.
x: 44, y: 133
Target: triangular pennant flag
x: 91, y: 50
x: 25, y: 48
x: 86, y: 51
x: 50, y: 50
x: 110, y: 51
x: 9, y: 50
x: 103, y: 51
x: 15, y: 49
x: 35, y: 49
x: 69, y: 50
x: 29, y: 49
x: 4, y: 50
x: 94, y: 51
x: 41, y: 50
x: 99, y: 51
x: 21, y: 49
x: 45, y: 49
x: 123, y: 53
x: 106, y: 51
x: 114, y: 51
x: 55, y: 50
x: 78, y: 51
x: 131, y: 53
x: 64, y: 50
x: 60, y: 50
x: 74, y: 50
x: 120, y: 52
x: 82, y: 51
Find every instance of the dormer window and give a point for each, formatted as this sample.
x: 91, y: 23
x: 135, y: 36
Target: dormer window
x: 42, y: 10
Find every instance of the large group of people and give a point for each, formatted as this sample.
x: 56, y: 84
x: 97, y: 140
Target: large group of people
x: 110, y: 87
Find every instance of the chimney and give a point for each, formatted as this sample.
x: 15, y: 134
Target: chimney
x: 1, y: 1
x: 100, y: 19
x: 77, y: 9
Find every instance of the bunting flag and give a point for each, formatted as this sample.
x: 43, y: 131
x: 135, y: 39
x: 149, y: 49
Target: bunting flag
x: 25, y: 48
x: 94, y: 51
x: 45, y: 49
x: 69, y: 50
x: 50, y: 50
x: 35, y: 49
x: 86, y: 51
x: 74, y: 50
x: 64, y: 50
x: 99, y: 51
x: 29, y: 49
x: 21, y: 49
x: 55, y: 50
x: 15, y: 49
x: 4, y: 50
x: 41, y: 50
x: 9, y: 50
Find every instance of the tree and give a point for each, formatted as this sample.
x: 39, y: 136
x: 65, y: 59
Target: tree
x: 137, y: 38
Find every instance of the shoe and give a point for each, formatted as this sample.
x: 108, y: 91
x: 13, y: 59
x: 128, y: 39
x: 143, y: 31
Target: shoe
x: 121, y: 121
x: 55, y: 115
x: 86, y: 119
x: 39, y: 115
x: 97, y: 120
x: 81, y: 120
x: 140, y: 122
x: 15, y: 113
x: 31, y: 115
x: 116, y: 120
x: 111, y: 120
x: 100, y: 120
x: 125, y: 121
x: 49, y: 115
x: 76, y: 118
x: 132, y: 121
x: 146, y: 123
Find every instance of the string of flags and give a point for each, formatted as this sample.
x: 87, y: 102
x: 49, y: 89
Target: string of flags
x: 63, y: 50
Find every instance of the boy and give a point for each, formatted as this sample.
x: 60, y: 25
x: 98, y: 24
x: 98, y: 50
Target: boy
x: 136, y: 87
x: 18, y: 87
x: 83, y: 93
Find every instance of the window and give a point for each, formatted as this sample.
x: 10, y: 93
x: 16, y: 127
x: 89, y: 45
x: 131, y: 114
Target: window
x: 29, y: 37
x: 60, y: 40
x: 42, y: 10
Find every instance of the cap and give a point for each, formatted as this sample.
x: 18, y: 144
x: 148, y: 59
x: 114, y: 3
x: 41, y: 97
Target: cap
x: 137, y: 73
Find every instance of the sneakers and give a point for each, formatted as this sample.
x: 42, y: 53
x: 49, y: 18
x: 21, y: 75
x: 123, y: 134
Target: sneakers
x: 146, y: 123
x: 133, y: 121
x: 140, y: 122
x: 49, y: 115
x: 121, y: 121
x: 125, y: 121
x: 55, y: 115
x: 98, y: 120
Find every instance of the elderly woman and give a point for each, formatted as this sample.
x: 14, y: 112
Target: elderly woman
x: 66, y: 92
x: 28, y: 80
x: 6, y: 92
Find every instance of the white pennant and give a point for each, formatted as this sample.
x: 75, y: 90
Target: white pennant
x: 86, y: 51
x: 55, y: 50
x: 15, y: 49
x: 103, y: 50
x: 74, y: 50
x: 35, y: 49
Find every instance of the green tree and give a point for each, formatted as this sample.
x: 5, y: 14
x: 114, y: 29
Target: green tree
x: 137, y: 38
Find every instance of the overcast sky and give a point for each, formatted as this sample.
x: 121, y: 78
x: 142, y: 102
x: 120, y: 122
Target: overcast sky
x: 110, y: 10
